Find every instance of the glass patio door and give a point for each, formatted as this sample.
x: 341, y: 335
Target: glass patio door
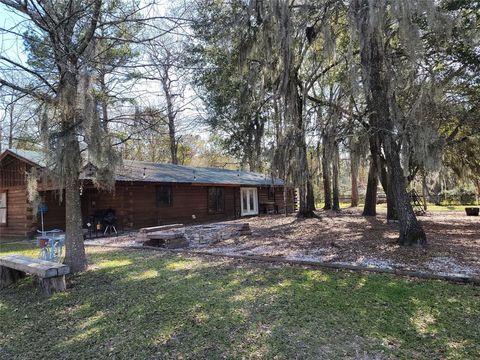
x: 249, y: 201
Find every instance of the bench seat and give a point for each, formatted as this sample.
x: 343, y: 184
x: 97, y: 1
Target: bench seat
x: 49, y: 276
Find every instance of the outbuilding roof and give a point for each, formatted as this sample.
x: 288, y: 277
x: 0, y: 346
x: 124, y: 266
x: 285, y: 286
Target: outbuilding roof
x: 141, y: 171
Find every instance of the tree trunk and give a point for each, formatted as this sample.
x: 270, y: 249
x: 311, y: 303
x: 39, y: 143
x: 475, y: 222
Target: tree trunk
x: 310, y: 195
x: 354, y: 168
x: 171, y: 114
x: 335, y: 175
x: 370, y: 206
x: 411, y: 232
x: 326, y: 175
x: 103, y: 101
x: 477, y: 185
x: 11, y: 125
x: 307, y: 200
x: 379, y: 98
x: 74, y: 248
x: 172, y: 134
x: 386, y: 181
x: 250, y: 151
x: 173, y: 141
x: 392, y: 214
x: 424, y: 190
x: 255, y: 144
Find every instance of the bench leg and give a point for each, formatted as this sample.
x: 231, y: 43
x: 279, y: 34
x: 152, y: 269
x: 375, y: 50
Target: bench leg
x: 50, y: 285
x: 8, y: 276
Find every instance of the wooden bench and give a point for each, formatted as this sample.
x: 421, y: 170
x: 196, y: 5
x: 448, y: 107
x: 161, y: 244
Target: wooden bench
x: 49, y: 276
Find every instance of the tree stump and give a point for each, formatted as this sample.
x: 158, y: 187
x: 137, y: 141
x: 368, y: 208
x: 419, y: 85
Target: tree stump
x: 8, y: 276
x: 51, y: 285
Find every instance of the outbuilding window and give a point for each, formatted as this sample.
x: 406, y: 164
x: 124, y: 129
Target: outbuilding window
x: 216, y: 200
x: 3, y: 208
x: 164, y: 196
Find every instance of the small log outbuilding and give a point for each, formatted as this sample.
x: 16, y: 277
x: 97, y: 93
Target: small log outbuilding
x: 145, y: 194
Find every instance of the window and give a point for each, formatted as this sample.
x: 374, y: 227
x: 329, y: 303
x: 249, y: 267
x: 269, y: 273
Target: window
x: 216, y: 200
x: 3, y: 208
x: 164, y: 196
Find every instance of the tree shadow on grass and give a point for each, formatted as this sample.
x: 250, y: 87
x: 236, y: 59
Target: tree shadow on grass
x: 155, y: 305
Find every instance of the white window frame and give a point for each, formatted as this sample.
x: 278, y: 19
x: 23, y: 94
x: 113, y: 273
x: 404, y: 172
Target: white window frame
x: 3, y: 208
x: 248, y: 191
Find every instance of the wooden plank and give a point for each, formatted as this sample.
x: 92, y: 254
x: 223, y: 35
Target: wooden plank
x: 164, y: 235
x: 41, y: 268
x: 159, y: 228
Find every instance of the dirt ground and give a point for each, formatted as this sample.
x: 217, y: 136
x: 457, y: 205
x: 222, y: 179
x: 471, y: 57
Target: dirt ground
x: 347, y: 237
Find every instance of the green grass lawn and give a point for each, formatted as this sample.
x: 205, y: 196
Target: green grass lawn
x: 141, y: 304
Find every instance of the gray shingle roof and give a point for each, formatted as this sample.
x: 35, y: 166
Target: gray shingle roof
x: 169, y: 173
x: 32, y: 156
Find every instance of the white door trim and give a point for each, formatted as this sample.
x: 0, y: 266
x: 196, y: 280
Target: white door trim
x: 249, y: 192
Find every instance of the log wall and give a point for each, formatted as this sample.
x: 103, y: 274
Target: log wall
x: 136, y: 207
x: 55, y: 215
x: 134, y: 203
x: 20, y: 220
x: 278, y: 198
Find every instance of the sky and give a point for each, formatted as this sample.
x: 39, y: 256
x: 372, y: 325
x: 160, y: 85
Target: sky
x: 145, y: 93
x: 11, y: 45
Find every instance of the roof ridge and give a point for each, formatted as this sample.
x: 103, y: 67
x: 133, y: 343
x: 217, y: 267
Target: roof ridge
x: 192, y: 167
x: 168, y: 173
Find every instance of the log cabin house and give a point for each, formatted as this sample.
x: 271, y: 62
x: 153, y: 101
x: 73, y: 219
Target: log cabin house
x: 146, y: 194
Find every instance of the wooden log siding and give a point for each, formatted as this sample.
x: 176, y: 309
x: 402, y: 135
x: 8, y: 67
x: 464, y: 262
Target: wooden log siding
x: 55, y: 216
x: 20, y: 221
x: 134, y: 202
x: 278, y: 198
x: 19, y: 214
x: 136, y: 206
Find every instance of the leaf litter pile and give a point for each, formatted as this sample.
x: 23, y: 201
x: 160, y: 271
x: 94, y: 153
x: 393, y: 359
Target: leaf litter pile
x: 346, y: 237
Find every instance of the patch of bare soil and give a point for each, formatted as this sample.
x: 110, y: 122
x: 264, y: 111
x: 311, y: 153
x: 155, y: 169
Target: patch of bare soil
x: 347, y: 237
x: 120, y: 240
